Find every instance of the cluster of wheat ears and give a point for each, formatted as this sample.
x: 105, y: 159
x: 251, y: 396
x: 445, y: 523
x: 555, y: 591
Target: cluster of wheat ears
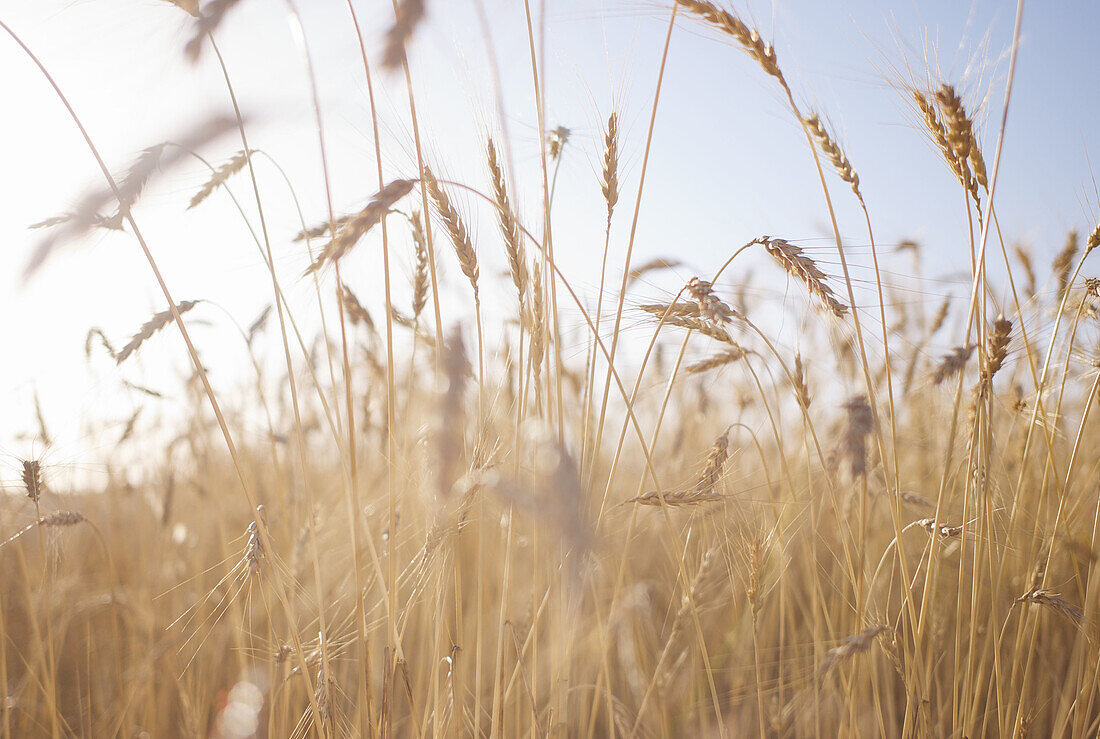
x: 444, y: 535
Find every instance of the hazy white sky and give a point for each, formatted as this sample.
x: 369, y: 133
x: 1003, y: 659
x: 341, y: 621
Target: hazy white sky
x: 728, y: 162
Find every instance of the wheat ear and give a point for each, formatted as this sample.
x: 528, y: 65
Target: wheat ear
x: 220, y: 176
x: 150, y: 327
x: 456, y: 229
x: 509, y: 227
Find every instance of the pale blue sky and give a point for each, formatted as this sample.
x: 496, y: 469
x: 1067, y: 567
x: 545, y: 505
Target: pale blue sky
x: 728, y: 162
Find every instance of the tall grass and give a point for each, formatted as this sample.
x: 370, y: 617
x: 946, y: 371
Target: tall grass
x: 690, y: 527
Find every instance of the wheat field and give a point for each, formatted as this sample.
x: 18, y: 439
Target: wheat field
x: 482, y: 495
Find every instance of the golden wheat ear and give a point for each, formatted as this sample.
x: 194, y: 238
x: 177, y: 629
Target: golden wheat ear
x: 805, y: 269
x: 220, y: 176
x: 456, y: 229
x: 355, y: 227
x: 509, y: 226
x: 410, y: 13
x: 150, y: 327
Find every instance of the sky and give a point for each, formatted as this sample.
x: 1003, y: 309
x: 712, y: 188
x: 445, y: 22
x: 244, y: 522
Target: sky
x: 728, y: 161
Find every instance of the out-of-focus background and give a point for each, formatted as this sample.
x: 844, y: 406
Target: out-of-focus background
x: 727, y: 162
